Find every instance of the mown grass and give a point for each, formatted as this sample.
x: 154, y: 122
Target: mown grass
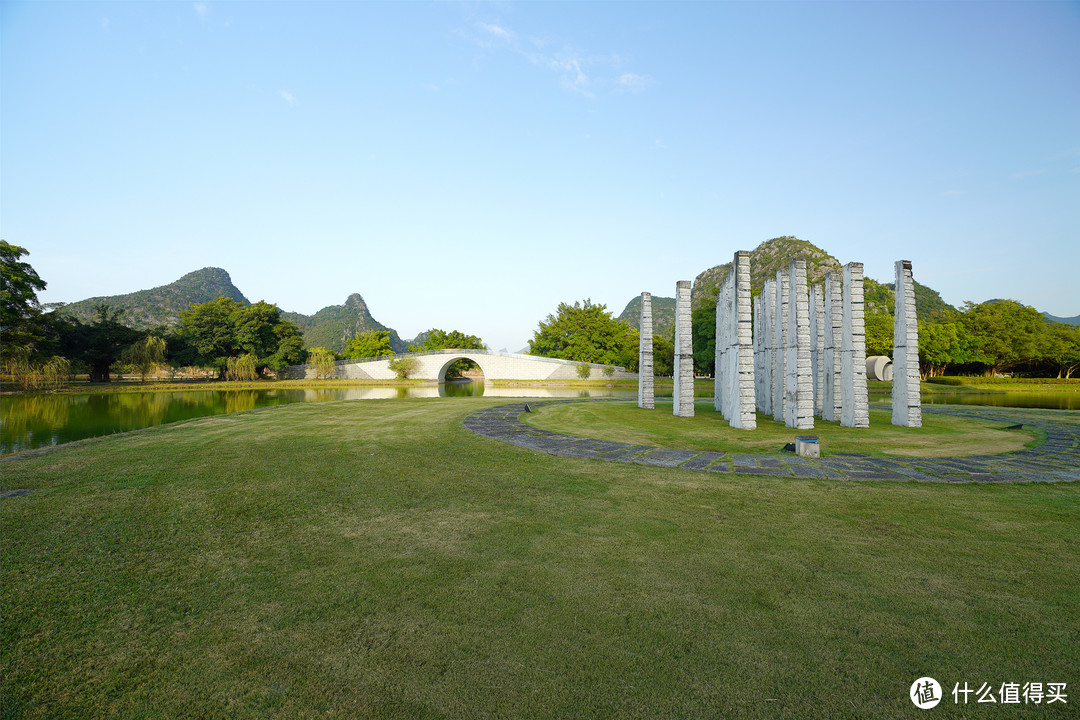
x: 939, y: 436
x: 375, y: 559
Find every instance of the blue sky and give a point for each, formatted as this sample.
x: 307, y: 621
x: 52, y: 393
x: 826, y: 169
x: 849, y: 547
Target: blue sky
x: 471, y: 165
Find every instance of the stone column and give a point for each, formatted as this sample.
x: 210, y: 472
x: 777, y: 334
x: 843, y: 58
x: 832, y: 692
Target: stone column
x: 758, y: 353
x: 742, y: 347
x: 645, y: 355
x: 723, y: 312
x: 834, y: 324
x: 780, y: 317
x: 798, y: 384
x: 768, y: 305
x: 854, y: 409
x: 906, y: 392
x: 683, y: 391
x: 817, y: 346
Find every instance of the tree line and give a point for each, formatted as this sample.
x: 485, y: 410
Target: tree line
x: 989, y: 338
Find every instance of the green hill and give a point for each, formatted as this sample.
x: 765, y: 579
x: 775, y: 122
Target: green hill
x: 334, y: 325
x: 663, y: 315
x: 331, y: 327
x: 1074, y: 320
x: 773, y: 255
x: 161, y: 306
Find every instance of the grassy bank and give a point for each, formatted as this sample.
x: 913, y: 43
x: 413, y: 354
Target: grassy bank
x: 375, y: 559
x: 940, y: 435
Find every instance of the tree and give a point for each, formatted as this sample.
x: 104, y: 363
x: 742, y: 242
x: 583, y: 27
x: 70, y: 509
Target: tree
x: 584, y: 370
x: 101, y: 343
x: 322, y: 360
x: 403, y: 367
x: 1004, y: 334
x: 664, y: 356
x: 370, y: 344
x: 241, y: 368
x: 436, y: 339
x: 19, y: 306
x: 223, y: 328
x: 586, y: 333
x: 703, y: 328
x: 1063, y: 348
x: 879, y: 328
x: 145, y: 356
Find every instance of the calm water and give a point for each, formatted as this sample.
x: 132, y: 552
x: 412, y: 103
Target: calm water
x: 34, y: 421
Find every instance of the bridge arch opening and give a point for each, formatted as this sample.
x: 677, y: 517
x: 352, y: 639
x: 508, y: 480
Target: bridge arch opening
x: 462, y: 367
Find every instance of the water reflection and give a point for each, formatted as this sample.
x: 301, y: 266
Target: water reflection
x: 33, y: 421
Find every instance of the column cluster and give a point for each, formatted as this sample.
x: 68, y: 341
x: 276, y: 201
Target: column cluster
x: 734, y: 374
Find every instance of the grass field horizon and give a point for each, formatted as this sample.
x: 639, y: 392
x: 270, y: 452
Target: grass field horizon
x: 376, y: 559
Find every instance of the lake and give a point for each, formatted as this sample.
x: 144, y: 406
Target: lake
x: 33, y: 421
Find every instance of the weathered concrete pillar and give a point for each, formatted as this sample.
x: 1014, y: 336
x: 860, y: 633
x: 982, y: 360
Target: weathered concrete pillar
x: 758, y: 353
x: 768, y: 307
x: 854, y: 410
x: 834, y: 325
x: 683, y: 391
x: 645, y: 355
x: 798, y: 384
x: 745, y: 416
x: 780, y: 317
x: 817, y: 346
x: 906, y: 392
x: 723, y: 313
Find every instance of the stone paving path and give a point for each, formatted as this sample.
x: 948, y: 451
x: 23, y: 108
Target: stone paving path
x: 1058, y: 459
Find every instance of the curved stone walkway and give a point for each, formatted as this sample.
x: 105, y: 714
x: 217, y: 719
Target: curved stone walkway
x: 1058, y: 459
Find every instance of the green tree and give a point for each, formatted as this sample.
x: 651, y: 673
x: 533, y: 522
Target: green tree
x: 323, y: 361
x: 586, y: 333
x: 241, y: 368
x: 370, y: 344
x: 879, y: 328
x: 436, y: 339
x: 1063, y: 348
x: 145, y: 356
x: 403, y: 367
x: 664, y: 356
x: 101, y: 343
x: 23, y: 329
x: 1004, y: 334
x: 584, y: 370
x: 223, y: 328
x: 703, y: 328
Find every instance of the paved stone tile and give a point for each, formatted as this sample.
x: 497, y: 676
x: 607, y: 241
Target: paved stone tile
x: 1058, y: 459
x: 702, y: 461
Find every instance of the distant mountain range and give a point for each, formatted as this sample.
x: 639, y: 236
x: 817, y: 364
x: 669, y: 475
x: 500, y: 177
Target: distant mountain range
x: 663, y: 315
x: 330, y: 327
x: 1074, y: 320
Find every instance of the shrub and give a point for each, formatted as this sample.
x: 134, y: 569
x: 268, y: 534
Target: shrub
x: 584, y: 371
x: 403, y: 367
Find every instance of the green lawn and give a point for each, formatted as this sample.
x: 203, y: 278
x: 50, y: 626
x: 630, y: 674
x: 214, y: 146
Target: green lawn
x: 375, y: 559
x: 939, y: 436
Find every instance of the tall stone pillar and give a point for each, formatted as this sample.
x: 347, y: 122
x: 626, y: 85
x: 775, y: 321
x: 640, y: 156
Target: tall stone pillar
x: 817, y: 346
x: 744, y: 415
x: 906, y: 392
x: 780, y: 317
x: 834, y: 325
x: 721, y: 347
x: 759, y: 352
x: 854, y: 410
x: 798, y: 385
x: 645, y: 355
x: 683, y: 391
x: 768, y: 306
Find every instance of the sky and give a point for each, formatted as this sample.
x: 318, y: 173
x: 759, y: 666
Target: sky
x: 471, y: 165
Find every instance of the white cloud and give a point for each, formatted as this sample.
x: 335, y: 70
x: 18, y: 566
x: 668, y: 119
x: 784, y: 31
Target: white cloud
x: 496, y: 30
x: 287, y: 96
x: 632, y: 82
x: 1027, y: 173
x: 201, y: 9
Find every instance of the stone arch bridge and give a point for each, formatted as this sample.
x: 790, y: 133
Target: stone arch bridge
x: 432, y: 365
